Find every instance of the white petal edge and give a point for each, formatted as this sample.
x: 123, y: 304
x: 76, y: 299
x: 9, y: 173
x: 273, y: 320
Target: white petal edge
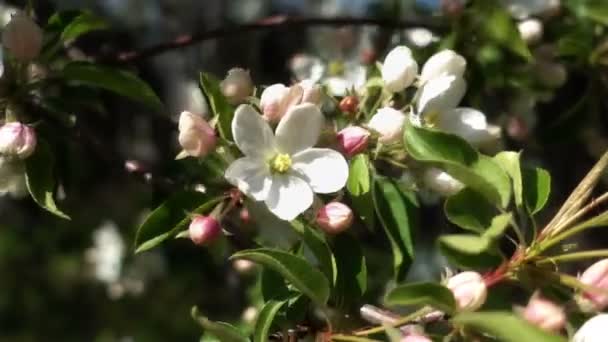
x: 251, y: 176
x: 441, y: 94
x: 468, y: 123
x: 251, y: 133
x: 325, y: 170
x: 299, y: 129
x: 289, y: 196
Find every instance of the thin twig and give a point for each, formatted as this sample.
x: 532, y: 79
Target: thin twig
x: 270, y: 23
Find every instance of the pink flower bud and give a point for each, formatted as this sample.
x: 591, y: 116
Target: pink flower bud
x: 353, y: 140
x: 544, y: 314
x: 349, y: 104
x: 22, y: 37
x: 196, y: 137
x: 416, y: 338
x: 17, y: 139
x: 311, y: 92
x: 595, y: 276
x: 237, y: 86
x: 276, y: 100
x: 335, y: 217
x: 469, y: 290
x: 204, y: 230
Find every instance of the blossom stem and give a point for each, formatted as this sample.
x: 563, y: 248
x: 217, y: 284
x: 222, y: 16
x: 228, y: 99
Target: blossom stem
x: 576, y: 256
x: 396, y: 323
x: 274, y: 23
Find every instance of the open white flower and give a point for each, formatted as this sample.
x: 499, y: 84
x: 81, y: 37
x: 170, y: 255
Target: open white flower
x: 284, y: 169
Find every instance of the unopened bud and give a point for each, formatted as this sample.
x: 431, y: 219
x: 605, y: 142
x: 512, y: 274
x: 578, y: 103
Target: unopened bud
x: 399, y: 69
x: 237, y: 86
x: 353, y: 140
x: 311, y: 92
x: 276, y: 100
x: 17, y: 140
x: 22, y: 37
x: 544, y: 314
x: 441, y: 182
x: 204, y: 230
x: 349, y: 104
x: 594, y: 330
x: 596, y: 277
x: 445, y: 62
x: 469, y: 290
x: 335, y: 217
x: 531, y: 30
x: 416, y: 338
x: 388, y: 122
x: 196, y: 136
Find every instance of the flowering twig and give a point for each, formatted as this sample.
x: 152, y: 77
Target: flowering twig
x: 270, y: 23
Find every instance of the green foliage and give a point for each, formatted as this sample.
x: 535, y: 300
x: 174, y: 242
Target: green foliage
x: 395, y: 210
x: 294, y: 269
x: 315, y: 241
x: 223, y: 331
x: 469, y: 210
x: 171, y: 217
x: 435, y: 295
x: 505, y: 327
x: 119, y: 81
x: 461, y: 161
x: 351, y: 281
x: 359, y: 187
x: 536, y: 188
x: 218, y: 104
x: 40, y: 178
x: 265, y: 319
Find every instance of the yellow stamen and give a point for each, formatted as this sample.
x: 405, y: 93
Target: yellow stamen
x: 280, y: 163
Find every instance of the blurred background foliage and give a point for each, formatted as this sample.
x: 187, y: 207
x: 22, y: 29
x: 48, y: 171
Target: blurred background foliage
x: 79, y: 280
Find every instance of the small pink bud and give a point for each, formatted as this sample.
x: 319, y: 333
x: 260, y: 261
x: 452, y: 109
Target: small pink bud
x: 237, y: 85
x: 276, y: 100
x: 349, y: 104
x: 544, y: 314
x: 469, y: 290
x: 335, y: 217
x: 196, y: 137
x: 353, y: 140
x: 204, y: 230
x: 595, y: 276
x: 22, y: 37
x: 17, y: 139
x: 416, y: 338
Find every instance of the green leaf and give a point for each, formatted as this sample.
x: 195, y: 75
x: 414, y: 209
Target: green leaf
x: 83, y: 23
x: 505, y: 326
x: 509, y: 161
x: 499, y: 27
x: 170, y: 218
x: 498, y: 226
x: 435, y: 295
x: 272, y: 285
x: 40, y: 179
x: 469, y: 210
x: 394, y: 210
x: 296, y: 270
x: 119, y: 81
x: 358, y: 175
x: 315, y: 241
x: 265, y: 319
x: 218, y: 104
x: 223, y: 331
x: 465, y: 243
x: 536, y: 188
x: 461, y: 161
x: 596, y: 10
x: 351, y: 282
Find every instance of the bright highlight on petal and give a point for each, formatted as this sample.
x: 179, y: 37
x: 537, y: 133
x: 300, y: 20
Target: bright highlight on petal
x: 289, y: 196
x: 251, y: 133
x: 325, y: 170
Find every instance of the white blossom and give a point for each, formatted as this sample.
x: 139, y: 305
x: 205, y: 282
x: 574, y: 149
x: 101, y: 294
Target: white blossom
x: 445, y: 62
x: 531, y: 30
x: 284, y: 169
x: 107, y: 253
x: 399, y: 69
x: 388, y: 122
x: 594, y: 330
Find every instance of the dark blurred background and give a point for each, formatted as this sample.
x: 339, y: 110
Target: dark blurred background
x: 79, y: 280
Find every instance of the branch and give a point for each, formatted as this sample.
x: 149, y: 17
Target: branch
x: 270, y: 23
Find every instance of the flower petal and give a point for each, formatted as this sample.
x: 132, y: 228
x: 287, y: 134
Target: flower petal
x: 468, y: 123
x: 289, y: 196
x: 251, y: 133
x: 324, y: 169
x: 251, y: 176
x: 440, y: 94
x: 299, y: 129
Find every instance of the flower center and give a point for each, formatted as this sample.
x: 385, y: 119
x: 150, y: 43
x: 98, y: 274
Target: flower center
x: 280, y: 163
